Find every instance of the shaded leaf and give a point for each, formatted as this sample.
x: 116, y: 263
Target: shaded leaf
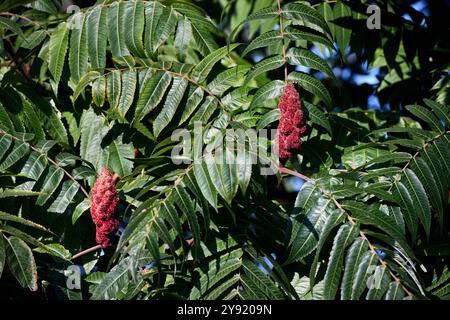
x: 312, y: 85
x: 21, y: 263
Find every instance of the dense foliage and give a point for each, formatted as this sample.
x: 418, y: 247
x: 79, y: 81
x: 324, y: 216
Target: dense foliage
x: 86, y: 86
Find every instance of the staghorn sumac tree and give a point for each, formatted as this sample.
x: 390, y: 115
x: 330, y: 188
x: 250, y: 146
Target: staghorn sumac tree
x: 353, y: 204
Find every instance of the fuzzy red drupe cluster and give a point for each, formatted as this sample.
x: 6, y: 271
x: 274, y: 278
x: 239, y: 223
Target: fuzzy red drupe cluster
x: 103, y: 208
x: 292, y: 125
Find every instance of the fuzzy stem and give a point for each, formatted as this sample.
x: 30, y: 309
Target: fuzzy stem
x: 293, y: 173
x: 79, y: 254
x: 282, y: 40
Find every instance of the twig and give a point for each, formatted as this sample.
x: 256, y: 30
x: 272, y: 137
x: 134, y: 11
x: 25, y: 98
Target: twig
x: 10, y: 64
x: 293, y: 173
x: 10, y: 14
x: 282, y: 40
x: 429, y: 142
x: 24, y: 68
x: 373, y: 250
x: 50, y: 160
x: 177, y: 74
x: 59, y: 167
x: 318, y: 4
x: 79, y: 254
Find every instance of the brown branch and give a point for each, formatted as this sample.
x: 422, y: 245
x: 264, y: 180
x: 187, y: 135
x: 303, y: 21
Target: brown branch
x: 318, y: 4
x: 50, y: 160
x: 59, y: 167
x: 79, y: 254
x: 176, y: 74
x: 372, y: 248
x: 293, y: 173
x: 443, y: 133
x: 282, y: 39
x: 362, y: 234
x: 10, y: 14
x: 10, y: 64
x: 24, y: 68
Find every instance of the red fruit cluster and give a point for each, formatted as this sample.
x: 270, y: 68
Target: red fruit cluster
x: 103, y: 208
x: 292, y: 124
